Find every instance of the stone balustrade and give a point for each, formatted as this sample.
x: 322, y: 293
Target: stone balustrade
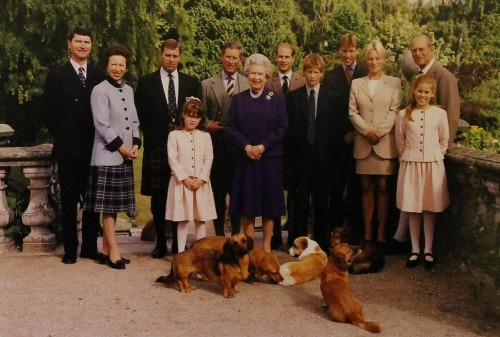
x: 37, y: 167
x: 469, y: 230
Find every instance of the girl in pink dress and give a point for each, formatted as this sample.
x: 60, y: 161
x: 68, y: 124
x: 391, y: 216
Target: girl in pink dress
x: 422, y: 140
x: 190, y: 157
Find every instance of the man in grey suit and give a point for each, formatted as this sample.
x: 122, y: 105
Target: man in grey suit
x: 446, y: 96
x: 283, y: 81
x: 217, y: 92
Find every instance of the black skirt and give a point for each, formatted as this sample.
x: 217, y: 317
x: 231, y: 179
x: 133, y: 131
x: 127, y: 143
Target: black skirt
x: 110, y: 189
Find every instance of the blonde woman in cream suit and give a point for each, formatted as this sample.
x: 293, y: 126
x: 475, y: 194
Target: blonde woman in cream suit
x: 373, y: 106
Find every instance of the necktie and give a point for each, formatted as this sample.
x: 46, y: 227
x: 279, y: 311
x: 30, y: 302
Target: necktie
x: 348, y: 75
x: 285, y: 84
x: 230, y: 86
x: 81, y: 74
x: 311, y: 118
x: 172, y: 105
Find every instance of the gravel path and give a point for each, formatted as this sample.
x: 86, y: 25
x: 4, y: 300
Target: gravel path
x: 40, y: 296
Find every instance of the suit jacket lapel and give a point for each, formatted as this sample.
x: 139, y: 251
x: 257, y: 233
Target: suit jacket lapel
x: 158, y: 86
x: 364, y: 87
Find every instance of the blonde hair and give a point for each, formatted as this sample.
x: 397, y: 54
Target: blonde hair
x: 378, y: 47
x: 422, y: 79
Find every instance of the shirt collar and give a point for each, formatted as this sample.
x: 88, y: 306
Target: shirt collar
x: 353, y: 66
x: 288, y: 74
x: 77, y: 66
x: 163, y: 72
x: 427, y: 67
x: 225, y: 76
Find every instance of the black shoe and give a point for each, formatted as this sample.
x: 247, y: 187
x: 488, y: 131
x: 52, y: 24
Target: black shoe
x: 159, y: 252
x: 93, y: 256
x: 413, y: 263
x: 276, y: 241
x: 117, y: 265
x: 68, y: 260
x: 429, y: 265
x: 103, y: 259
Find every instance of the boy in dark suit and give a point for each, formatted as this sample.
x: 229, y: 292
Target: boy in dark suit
x: 312, y: 142
x: 338, y: 82
x: 159, y: 99
x: 67, y: 111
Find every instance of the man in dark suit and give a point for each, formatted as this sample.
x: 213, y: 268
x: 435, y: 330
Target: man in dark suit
x: 312, y: 142
x: 338, y: 82
x: 68, y: 114
x: 217, y: 93
x: 159, y: 99
x: 284, y: 81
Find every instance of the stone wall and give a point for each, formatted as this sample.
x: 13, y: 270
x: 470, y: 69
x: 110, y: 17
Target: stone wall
x: 468, y: 231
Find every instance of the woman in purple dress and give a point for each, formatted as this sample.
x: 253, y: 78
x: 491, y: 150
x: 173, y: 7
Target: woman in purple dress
x: 257, y: 125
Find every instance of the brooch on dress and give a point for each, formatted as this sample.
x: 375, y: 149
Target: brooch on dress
x: 269, y: 95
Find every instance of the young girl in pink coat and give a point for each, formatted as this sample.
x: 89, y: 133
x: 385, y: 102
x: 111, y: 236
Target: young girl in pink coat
x: 190, y: 157
x: 422, y: 140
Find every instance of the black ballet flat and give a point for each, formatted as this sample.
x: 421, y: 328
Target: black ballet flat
x: 413, y: 263
x: 103, y: 259
x: 116, y: 265
x: 429, y: 265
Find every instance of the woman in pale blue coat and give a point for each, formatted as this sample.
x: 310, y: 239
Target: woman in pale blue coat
x: 111, y: 183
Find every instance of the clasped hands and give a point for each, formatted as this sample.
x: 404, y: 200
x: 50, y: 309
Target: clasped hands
x: 192, y: 183
x: 255, y: 152
x: 372, y: 137
x: 128, y: 154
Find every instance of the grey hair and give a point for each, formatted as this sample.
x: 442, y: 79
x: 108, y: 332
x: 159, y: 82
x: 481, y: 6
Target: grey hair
x: 260, y: 60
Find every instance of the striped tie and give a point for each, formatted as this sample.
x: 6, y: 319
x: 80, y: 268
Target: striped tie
x: 81, y: 74
x: 230, y: 86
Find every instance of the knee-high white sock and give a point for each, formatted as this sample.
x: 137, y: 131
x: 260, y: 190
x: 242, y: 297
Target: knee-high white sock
x: 182, y: 233
x: 415, y: 231
x: 402, y: 231
x: 200, y: 229
x: 429, y: 221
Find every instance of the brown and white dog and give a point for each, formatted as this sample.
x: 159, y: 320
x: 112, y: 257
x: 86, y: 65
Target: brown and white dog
x: 367, y: 258
x: 261, y: 263
x: 312, y: 260
x: 227, y: 266
x: 343, y: 307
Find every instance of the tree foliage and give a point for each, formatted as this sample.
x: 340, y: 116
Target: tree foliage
x: 33, y: 37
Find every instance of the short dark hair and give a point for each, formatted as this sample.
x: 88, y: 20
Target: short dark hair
x: 285, y: 45
x: 171, y: 44
x: 116, y: 49
x: 232, y: 45
x: 348, y: 40
x: 80, y: 31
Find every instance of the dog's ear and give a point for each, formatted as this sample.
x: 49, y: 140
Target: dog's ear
x: 339, y: 259
x: 249, y: 242
x: 303, y: 244
x: 228, y: 248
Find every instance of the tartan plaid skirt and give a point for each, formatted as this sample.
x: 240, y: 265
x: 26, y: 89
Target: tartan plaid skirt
x: 110, y: 189
x: 155, y: 171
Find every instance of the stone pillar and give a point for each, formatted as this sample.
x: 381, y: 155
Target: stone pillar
x: 6, y: 215
x: 40, y: 213
x: 494, y: 189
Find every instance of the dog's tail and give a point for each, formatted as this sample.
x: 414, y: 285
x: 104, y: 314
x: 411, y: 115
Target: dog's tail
x: 369, y: 326
x: 168, y: 279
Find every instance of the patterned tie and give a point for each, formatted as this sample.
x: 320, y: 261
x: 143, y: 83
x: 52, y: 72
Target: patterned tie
x: 172, y: 105
x: 81, y: 74
x: 230, y: 86
x: 285, y: 84
x: 348, y: 74
x: 311, y: 117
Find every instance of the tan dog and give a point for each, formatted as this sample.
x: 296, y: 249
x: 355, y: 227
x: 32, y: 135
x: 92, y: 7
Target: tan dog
x: 312, y: 260
x: 227, y: 266
x: 367, y: 258
x: 343, y: 307
x: 261, y: 263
